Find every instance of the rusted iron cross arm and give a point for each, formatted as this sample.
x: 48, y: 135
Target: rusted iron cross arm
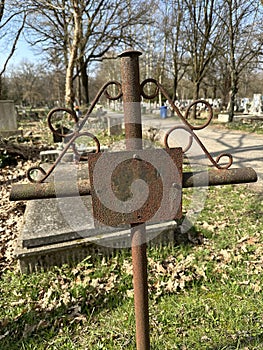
x: 46, y: 190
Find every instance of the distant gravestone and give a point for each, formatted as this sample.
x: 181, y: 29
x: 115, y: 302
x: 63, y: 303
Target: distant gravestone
x: 8, y: 122
x: 114, y: 125
x: 257, y: 104
x: 223, y: 117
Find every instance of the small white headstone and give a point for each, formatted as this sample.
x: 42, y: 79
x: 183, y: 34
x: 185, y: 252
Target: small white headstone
x: 224, y: 118
x: 257, y: 104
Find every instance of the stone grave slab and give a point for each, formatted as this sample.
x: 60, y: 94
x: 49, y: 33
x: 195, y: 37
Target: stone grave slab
x: 62, y: 230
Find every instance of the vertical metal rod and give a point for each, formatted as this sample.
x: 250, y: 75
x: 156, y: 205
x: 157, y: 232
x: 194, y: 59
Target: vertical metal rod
x: 133, y: 131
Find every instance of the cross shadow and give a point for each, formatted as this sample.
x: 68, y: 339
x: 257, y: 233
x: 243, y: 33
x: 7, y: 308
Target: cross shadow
x: 241, y: 146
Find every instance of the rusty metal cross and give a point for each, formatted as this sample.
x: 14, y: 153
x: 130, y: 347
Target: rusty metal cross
x: 160, y: 169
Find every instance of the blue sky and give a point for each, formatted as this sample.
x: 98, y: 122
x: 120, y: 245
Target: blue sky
x: 23, y: 52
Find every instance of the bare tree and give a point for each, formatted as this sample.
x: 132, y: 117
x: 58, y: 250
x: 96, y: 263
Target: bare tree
x: 84, y: 31
x: 12, y: 23
x: 31, y: 84
x: 242, y: 21
x: 203, y: 37
x: 169, y: 24
x: 178, y: 48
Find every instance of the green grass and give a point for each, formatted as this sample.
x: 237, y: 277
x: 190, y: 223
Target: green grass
x: 206, y: 296
x: 255, y: 126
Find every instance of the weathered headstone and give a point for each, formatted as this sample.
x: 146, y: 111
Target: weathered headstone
x: 257, y: 104
x: 223, y: 117
x: 8, y: 121
x: 114, y: 124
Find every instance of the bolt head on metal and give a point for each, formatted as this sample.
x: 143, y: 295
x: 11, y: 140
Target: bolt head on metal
x: 176, y: 186
x: 136, y: 156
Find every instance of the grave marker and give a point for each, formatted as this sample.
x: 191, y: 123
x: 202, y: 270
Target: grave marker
x: 8, y: 118
x: 142, y: 168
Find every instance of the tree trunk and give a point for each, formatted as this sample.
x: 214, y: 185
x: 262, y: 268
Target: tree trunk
x: 233, y: 92
x: 78, y: 88
x: 214, y: 90
x: 231, y: 106
x: 84, y: 82
x: 205, y: 92
x: 69, y: 89
x: 196, y: 97
x: 175, y: 86
x: 1, y: 88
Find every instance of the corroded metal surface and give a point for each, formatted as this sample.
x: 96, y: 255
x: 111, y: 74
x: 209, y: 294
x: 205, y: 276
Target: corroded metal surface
x: 218, y: 177
x: 212, y: 178
x: 133, y: 134
x: 22, y: 192
x: 143, y: 186
x: 131, y: 98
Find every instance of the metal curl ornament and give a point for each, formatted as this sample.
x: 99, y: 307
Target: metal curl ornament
x: 109, y: 96
x: 38, y: 169
x: 177, y: 127
x: 188, y: 126
x: 103, y: 90
x: 86, y: 133
x: 68, y: 145
x: 79, y: 124
x: 63, y: 110
x: 192, y: 137
x: 210, y: 116
x: 182, y: 117
x: 155, y: 94
x: 230, y: 160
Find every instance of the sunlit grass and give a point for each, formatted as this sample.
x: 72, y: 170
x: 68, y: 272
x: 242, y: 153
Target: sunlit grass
x: 206, y: 296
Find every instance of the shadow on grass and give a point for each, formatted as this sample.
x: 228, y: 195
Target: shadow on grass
x: 32, y: 328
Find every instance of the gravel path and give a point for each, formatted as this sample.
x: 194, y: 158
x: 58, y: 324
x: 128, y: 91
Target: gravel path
x: 246, y: 148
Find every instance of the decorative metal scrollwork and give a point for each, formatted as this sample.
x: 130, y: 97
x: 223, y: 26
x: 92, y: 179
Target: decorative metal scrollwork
x: 187, y: 126
x: 72, y: 136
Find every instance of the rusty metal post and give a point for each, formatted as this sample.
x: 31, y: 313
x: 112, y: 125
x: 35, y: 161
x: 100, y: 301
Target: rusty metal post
x: 133, y: 131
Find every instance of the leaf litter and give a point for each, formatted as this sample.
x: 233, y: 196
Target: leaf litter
x: 81, y: 290
x: 11, y: 213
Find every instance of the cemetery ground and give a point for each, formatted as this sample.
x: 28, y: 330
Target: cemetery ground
x: 205, y: 292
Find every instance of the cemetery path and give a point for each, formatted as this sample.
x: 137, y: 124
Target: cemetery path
x: 246, y: 148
